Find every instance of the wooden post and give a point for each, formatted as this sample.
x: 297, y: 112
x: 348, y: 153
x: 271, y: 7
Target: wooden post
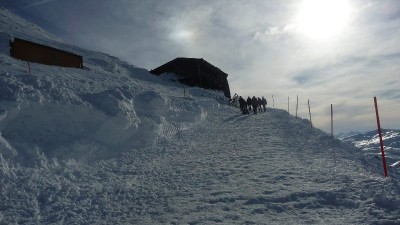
x: 297, y: 105
x: 331, y: 121
x: 29, y: 68
x: 273, y: 102
x: 309, y: 112
x: 380, y: 138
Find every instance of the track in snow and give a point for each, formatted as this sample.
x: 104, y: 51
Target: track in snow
x: 259, y: 169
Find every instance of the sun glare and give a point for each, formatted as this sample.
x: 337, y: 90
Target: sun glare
x: 321, y: 19
x: 182, y: 32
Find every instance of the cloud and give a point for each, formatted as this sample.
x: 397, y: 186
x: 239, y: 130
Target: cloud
x: 37, y: 3
x: 275, y: 32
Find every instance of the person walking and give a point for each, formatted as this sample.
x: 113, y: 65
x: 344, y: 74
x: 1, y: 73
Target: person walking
x: 264, y: 103
x: 249, y: 103
x: 234, y: 100
x: 243, y: 106
x: 254, y: 104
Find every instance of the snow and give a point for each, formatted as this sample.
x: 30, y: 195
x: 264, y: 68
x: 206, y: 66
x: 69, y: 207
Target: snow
x: 114, y: 144
x: 4, y: 43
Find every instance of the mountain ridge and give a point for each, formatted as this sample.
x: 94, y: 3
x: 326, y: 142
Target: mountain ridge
x: 369, y: 143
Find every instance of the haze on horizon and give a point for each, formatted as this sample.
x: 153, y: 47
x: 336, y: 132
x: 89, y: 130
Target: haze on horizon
x: 340, y: 52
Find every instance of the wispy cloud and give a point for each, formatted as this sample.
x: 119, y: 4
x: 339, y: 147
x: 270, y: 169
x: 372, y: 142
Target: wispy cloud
x: 38, y: 3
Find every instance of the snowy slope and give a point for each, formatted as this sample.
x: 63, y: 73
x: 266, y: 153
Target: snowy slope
x: 113, y: 144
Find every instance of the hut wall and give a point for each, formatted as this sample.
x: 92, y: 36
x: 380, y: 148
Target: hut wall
x: 29, y: 51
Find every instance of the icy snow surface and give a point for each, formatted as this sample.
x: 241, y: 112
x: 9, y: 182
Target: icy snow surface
x: 113, y: 144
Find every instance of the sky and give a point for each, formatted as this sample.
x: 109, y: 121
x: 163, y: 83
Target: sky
x: 339, y: 52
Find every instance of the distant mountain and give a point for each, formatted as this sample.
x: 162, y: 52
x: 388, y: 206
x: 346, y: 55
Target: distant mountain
x: 343, y: 135
x: 369, y: 142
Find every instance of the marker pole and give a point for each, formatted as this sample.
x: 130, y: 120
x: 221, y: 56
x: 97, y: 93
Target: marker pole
x: 380, y: 138
x: 297, y: 105
x: 273, y: 102
x: 309, y: 111
x: 29, y: 67
x: 331, y: 121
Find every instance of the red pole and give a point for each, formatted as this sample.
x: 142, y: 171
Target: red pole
x: 380, y: 138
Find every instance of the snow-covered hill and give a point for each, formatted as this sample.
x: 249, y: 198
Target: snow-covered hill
x: 369, y: 143
x: 108, y: 107
x: 113, y: 144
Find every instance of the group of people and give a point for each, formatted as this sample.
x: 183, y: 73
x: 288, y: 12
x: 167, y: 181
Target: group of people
x: 255, y: 103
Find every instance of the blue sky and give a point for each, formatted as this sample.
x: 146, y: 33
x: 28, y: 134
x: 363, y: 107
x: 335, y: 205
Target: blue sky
x: 340, y: 52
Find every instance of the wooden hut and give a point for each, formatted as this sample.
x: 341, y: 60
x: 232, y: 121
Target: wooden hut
x: 33, y: 52
x: 196, y: 72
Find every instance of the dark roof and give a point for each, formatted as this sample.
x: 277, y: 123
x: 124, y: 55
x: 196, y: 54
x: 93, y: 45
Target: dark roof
x: 196, y: 72
x: 161, y: 69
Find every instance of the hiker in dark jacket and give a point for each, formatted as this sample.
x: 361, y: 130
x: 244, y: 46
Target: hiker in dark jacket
x: 264, y: 103
x: 259, y: 104
x: 243, y: 105
x: 249, y: 103
x: 254, y: 104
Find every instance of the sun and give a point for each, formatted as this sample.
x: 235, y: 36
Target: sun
x: 320, y: 19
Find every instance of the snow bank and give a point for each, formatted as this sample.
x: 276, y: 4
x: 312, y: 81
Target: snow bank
x: 108, y: 124
x: 5, y: 43
x: 6, y: 149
